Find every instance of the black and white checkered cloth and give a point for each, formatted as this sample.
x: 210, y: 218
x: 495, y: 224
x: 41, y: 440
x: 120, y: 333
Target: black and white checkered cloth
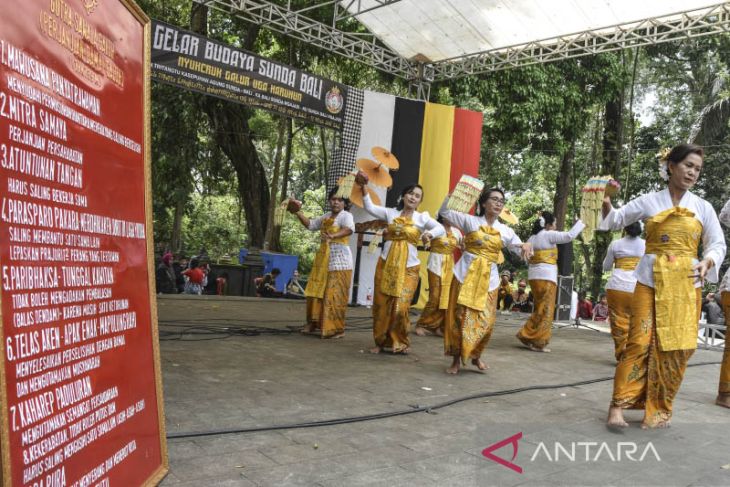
x: 343, y: 160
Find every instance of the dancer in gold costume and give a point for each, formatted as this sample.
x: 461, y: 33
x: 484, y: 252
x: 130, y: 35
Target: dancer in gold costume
x: 666, y: 305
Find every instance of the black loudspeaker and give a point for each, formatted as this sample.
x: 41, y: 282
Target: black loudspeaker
x: 565, y: 259
x: 565, y: 297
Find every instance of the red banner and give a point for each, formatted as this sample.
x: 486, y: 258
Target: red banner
x: 81, y: 394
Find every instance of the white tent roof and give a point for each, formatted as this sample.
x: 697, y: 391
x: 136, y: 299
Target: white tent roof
x: 432, y: 40
x: 435, y: 30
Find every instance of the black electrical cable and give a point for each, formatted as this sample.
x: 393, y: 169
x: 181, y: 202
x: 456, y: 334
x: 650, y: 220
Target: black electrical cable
x: 401, y: 412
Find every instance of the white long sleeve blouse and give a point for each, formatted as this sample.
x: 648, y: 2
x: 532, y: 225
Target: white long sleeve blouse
x: 470, y: 223
x: 648, y: 205
x: 623, y: 280
x: 548, y: 239
x: 422, y: 221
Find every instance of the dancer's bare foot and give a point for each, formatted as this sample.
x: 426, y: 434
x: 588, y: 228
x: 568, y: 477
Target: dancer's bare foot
x: 538, y: 349
x: 479, y: 364
x: 455, y: 366
x: 723, y: 400
x: 336, y: 335
x: 375, y: 349
x: 616, y: 418
x: 438, y: 332
x: 421, y: 332
x: 403, y: 351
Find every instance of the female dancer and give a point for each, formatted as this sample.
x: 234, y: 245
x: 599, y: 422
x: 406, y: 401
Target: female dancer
x: 473, y: 294
x: 665, y: 309
x: 440, y: 274
x: 328, y: 287
x: 723, y: 394
x: 396, y: 274
x: 543, y: 276
x: 622, y: 256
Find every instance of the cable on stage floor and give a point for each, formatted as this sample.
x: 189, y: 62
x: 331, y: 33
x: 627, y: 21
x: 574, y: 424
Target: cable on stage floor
x: 414, y: 409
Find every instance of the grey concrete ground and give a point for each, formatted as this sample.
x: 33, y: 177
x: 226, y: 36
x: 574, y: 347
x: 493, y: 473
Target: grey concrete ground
x: 278, y: 378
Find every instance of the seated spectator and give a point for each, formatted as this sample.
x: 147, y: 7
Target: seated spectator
x: 600, y: 311
x: 196, y: 278
x: 522, y: 300
x: 293, y: 288
x: 713, y: 311
x: 267, y: 286
x: 504, y: 295
x: 585, y: 307
x: 165, y: 276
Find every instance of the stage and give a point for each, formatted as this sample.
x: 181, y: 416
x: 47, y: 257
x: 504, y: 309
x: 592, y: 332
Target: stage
x: 276, y: 377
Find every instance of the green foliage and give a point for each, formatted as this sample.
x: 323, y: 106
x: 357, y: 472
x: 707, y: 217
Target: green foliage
x: 214, y: 222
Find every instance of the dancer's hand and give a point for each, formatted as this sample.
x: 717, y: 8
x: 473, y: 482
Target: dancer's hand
x: 701, y: 269
x: 527, y: 251
x: 426, y: 238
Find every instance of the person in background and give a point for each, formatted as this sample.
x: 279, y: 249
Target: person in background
x: 622, y: 257
x: 165, y: 276
x: 522, y: 299
x: 196, y: 278
x: 585, y: 306
x: 537, y: 331
x: 723, y: 392
x: 440, y: 273
x: 713, y: 311
x: 293, y: 288
x: 179, y: 266
x: 506, y: 291
x: 600, y: 310
x: 267, y: 286
x: 328, y: 287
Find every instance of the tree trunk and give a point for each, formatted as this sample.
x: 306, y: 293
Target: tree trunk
x: 562, y: 187
x: 269, y: 243
x: 613, y: 136
x: 231, y: 132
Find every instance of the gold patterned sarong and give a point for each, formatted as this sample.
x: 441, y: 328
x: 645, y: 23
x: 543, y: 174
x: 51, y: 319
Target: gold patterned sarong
x: 619, y: 316
x: 317, y: 282
x: 432, y: 317
x: 401, y: 232
x: 724, y: 388
x: 538, y: 328
x: 472, y: 307
x: 391, y: 323
x: 486, y: 245
x: 328, y: 314
x: 652, y: 365
x: 467, y: 331
x: 647, y: 377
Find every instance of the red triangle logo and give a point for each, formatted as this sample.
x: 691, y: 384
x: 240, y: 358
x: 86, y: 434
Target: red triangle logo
x: 487, y: 452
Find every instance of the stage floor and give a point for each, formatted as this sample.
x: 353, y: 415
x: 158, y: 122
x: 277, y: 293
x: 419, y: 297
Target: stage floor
x: 277, y: 378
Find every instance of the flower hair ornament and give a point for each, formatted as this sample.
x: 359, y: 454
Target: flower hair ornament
x: 663, y: 156
x: 542, y: 222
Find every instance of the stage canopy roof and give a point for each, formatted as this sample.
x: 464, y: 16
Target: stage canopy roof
x: 432, y: 40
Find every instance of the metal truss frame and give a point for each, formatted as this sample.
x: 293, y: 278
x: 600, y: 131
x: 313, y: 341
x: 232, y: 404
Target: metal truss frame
x: 657, y: 30
x: 362, y: 47
x: 368, y: 49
